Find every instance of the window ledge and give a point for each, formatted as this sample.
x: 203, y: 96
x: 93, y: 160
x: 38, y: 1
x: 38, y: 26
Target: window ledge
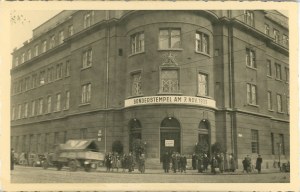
x: 280, y: 112
x: 278, y: 79
x: 57, y: 111
x: 84, y: 104
x: 48, y: 113
x: 137, y: 53
x: 66, y: 109
x: 269, y: 76
x: 253, y: 105
x: 271, y: 110
x: 167, y: 93
x: 84, y: 68
x: 202, y: 53
x: 251, y: 68
x: 170, y: 49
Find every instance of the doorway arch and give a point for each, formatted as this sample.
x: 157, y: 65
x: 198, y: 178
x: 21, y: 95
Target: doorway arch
x: 204, y: 133
x: 135, y: 131
x: 170, y: 136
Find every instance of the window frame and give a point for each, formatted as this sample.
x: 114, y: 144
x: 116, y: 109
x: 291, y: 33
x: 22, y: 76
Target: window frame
x: 67, y: 101
x: 49, y: 104
x: 161, y: 83
x: 61, y: 37
x: 132, y: 74
x: 200, y: 41
x: 270, y: 100
x: 206, y: 84
x: 58, y: 102
x: 170, y: 29
x: 44, y: 48
x: 279, y: 103
x: 250, y: 92
x: 249, y: 17
x: 276, y: 35
x: 269, y: 68
x: 251, y: 58
x: 254, y: 133
x: 86, y: 93
x: 267, y: 29
x: 136, y: 45
x: 278, y: 73
x: 87, y: 58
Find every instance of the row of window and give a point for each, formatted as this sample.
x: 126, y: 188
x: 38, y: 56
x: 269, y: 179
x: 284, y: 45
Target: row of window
x: 278, y: 73
x: 36, y: 107
x: 169, y: 38
x: 255, y: 143
x: 283, y: 40
x: 53, y: 72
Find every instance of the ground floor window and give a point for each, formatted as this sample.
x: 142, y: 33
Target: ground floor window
x: 254, y: 141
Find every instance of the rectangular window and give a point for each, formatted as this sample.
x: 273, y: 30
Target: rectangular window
x: 83, y: 133
x: 23, y: 57
x: 88, y: 19
x: 86, y: 93
x: 52, y: 42
x: 29, y: 54
x: 249, y: 17
x: 44, y: 46
x: 282, y: 148
x: 71, y: 30
x: 13, y: 113
x: 49, y: 75
x: 272, y: 144
x: 61, y: 37
x: 285, y: 40
x: 169, y: 81
x: 87, y: 58
x: 27, y: 83
x: 250, y: 58
x: 41, y: 102
x: 67, y: 68
x: 59, y: 71
x: 42, y: 77
x: 202, y: 84
x: 16, y: 61
x: 33, y: 108
x: 287, y: 74
x: 169, y: 39
x: 270, y: 103
x: 202, y: 43
x: 269, y: 68
x: 19, y: 111
x: 34, y: 80
x: 251, y: 94
x: 136, y: 88
x: 46, y: 142
x: 276, y: 35
x: 137, y: 42
x: 49, y: 104
x: 267, y: 29
x: 67, y: 104
x: 39, y: 143
x: 58, y: 104
x: 279, y: 103
x: 25, y: 110
x: 278, y: 71
x: 254, y: 141
x: 36, y: 50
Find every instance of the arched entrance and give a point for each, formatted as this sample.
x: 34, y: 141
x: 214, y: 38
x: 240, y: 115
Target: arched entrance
x: 169, y: 136
x: 135, y: 131
x: 204, y: 133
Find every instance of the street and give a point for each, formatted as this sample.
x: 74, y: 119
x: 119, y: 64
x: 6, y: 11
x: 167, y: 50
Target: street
x: 23, y: 174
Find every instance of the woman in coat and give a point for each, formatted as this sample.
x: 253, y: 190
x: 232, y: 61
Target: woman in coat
x: 258, y: 163
x: 231, y: 163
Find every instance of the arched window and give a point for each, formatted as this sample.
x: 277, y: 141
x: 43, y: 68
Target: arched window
x: 203, y: 132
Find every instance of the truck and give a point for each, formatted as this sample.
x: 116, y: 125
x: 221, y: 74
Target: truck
x: 75, y: 154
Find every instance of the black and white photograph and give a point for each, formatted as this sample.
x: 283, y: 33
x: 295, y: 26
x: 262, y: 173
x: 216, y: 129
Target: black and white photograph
x: 153, y: 96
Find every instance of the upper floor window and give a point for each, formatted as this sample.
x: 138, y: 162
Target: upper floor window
x: 19, y: 111
x: 42, y: 77
x: 88, y: 19
x: 169, y: 82
x: 279, y: 103
x: 281, y: 144
x: 41, y: 102
x: 16, y: 61
x: 13, y: 113
x: 137, y: 42
x: 52, y: 42
x: 36, y: 50
x: 202, y: 43
x: 287, y: 74
x: 87, y: 58
x: 23, y: 57
x: 67, y: 68
x: 71, y: 30
x: 49, y: 104
x: 249, y: 17
x: 136, y: 88
x: 58, y: 102
x: 86, y: 93
x: 276, y: 35
x: 67, y: 102
x: 59, y: 71
x: 61, y: 37
x: 250, y: 58
x: 33, y: 108
x: 169, y: 39
x: 278, y: 71
x: 270, y: 102
x: 50, y: 74
x: 29, y: 54
x: 251, y: 94
x: 34, y: 80
x: 285, y: 40
x: 44, y: 46
x: 267, y: 29
x: 202, y: 84
x: 83, y: 133
x: 269, y: 68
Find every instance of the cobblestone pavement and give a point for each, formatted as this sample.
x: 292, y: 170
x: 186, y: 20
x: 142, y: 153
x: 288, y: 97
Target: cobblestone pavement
x: 38, y: 175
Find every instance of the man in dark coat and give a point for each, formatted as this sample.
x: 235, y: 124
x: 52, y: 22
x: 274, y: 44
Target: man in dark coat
x: 231, y: 163
x: 174, y: 162
x: 183, y: 163
x: 130, y: 162
x: 166, y: 162
x: 214, y: 165
x: 200, y: 163
x: 194, y: 161
x: 205, y: 162
x: 12, y: 159
x: 258, y: 163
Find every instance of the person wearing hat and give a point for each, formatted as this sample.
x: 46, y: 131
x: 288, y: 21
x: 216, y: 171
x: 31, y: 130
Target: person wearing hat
x: 258, y: 163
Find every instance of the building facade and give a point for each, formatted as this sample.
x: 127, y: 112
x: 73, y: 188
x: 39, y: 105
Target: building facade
x: 169, y: 78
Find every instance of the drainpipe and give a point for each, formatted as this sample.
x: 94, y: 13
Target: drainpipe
x: 231, y: 102
x: 107, y: 78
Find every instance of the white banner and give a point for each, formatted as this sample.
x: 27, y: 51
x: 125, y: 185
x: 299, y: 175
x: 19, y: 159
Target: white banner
x: 186, y: 100
x: 169, y: 143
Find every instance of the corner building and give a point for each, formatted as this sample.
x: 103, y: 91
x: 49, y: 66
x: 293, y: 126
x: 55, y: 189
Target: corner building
x: 170, y: 78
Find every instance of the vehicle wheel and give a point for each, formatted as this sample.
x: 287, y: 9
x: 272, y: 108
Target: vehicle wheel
x: 87, y: 168
x: 45, y: 165
x: 72, y: 165
x: 59, y: 166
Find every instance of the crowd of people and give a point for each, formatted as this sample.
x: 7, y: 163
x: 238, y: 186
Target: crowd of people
x: 175, y: 162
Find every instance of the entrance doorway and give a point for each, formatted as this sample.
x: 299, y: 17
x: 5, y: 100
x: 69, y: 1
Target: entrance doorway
x: 135, y: 131
x: 204, y: 135
x: 169, y: 136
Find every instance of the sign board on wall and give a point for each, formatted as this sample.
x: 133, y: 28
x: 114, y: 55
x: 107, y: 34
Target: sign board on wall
x: 186, y: 100
x: 169, y: 143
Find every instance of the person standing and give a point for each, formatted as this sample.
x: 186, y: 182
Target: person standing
x: 214, y: 165
x: 221, y: 162
x: 194, y: 161
x: 142, y: 163
x: 12, y: 159
x: 200, y: 163
x: 166, y: 162
x: 174, y: 162
x: 231, y: 163
x: 245, y: 165
x: 258, y: 163
x: 130, y: 162
x: 183, y: 163
x: 205, y: 162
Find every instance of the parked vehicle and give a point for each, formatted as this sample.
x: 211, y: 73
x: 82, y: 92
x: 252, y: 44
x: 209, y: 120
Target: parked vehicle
x: 75, y: 154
